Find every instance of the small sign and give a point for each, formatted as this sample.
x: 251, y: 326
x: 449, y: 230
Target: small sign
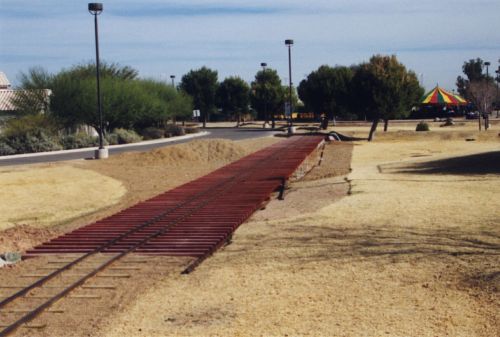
x: 196, y: 113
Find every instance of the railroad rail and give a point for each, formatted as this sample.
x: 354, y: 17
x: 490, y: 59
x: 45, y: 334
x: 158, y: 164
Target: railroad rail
x: 192, y: 220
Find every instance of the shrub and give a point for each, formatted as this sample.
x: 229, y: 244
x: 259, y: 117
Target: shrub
x: 5, y: 148
x: 78, y: 140
x: 422, y: 126
x: 36, y: 141
x: 173, y: 130
x: 152, y: 133
x: 191, y: 130
x: 29, y: 124
x: 127, y: 136
x: 111, y: 139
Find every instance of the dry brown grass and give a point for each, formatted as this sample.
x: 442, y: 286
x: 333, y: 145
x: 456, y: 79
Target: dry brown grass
x: 48, y: 195
x: 406, y: 254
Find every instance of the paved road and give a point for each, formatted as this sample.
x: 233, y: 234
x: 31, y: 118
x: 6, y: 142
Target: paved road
x: 224, y: 133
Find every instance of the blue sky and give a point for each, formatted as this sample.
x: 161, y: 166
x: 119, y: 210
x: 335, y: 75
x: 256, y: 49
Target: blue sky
x: 160, y: 38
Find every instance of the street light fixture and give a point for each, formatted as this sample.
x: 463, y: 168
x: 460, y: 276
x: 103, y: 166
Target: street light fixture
x: 289, y: 43
x: 173, y: 77
x: 95, y: 9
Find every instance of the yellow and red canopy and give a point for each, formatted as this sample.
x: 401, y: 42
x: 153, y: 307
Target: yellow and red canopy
x: 442, y: 97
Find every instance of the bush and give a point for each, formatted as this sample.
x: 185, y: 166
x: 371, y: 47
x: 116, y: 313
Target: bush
x: 78, y: 141
x: 126, y: 136
x: 173, y: 130
x: 152, y: 133
x: 29, y: 124
x: 191, y: 130
x: 111, y: 139
x: 36, y: 141
x: 422, y: 126
x: 5, y: 148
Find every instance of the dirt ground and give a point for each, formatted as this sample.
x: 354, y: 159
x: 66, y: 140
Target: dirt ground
x: 405, y: 244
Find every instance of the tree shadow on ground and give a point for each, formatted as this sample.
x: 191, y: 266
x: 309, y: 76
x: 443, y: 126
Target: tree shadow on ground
x: 476, y: 252
x: 482, y: 163
x: 376, y: 241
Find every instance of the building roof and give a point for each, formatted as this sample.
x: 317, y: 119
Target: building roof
x: 7, y: 96
x: 6, y: 100
x: 4, y: 81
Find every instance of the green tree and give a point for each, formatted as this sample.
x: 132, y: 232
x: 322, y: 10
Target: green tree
x: 201, y: 85
x: 73, y: 101
x: 35, y: 96
x: 162, y: 103
x: 160, y: 97
x: 473, y: 70
x: 127, y: 102
x: 181, y: 107
x: 112, y: 70
x: 267, y: 95
x: 386, y: 89
x: 327, y: 91
x: 233, y: 96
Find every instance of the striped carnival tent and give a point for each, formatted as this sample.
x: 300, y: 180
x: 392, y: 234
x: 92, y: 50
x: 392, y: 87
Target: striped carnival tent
x: 439, y: 96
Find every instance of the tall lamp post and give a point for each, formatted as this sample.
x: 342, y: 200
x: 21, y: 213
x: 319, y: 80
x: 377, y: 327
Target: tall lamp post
x: 95, y: 9
x: 498, y: 81
x: 172, y: 77
x: 266, y: 118
x: 486, y: 119
x: 289, y: 43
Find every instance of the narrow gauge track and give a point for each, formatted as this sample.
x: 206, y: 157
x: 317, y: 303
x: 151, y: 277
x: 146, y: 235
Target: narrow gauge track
x: 192, y: 220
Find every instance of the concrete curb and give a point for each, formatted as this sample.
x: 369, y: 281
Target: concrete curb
x: 147, y: 142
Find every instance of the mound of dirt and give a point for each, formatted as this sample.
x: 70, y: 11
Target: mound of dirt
x: 23, y: 237
x: 202, y: 151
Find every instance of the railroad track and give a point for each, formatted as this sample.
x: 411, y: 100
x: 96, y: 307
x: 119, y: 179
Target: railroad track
x: 192, y: 220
